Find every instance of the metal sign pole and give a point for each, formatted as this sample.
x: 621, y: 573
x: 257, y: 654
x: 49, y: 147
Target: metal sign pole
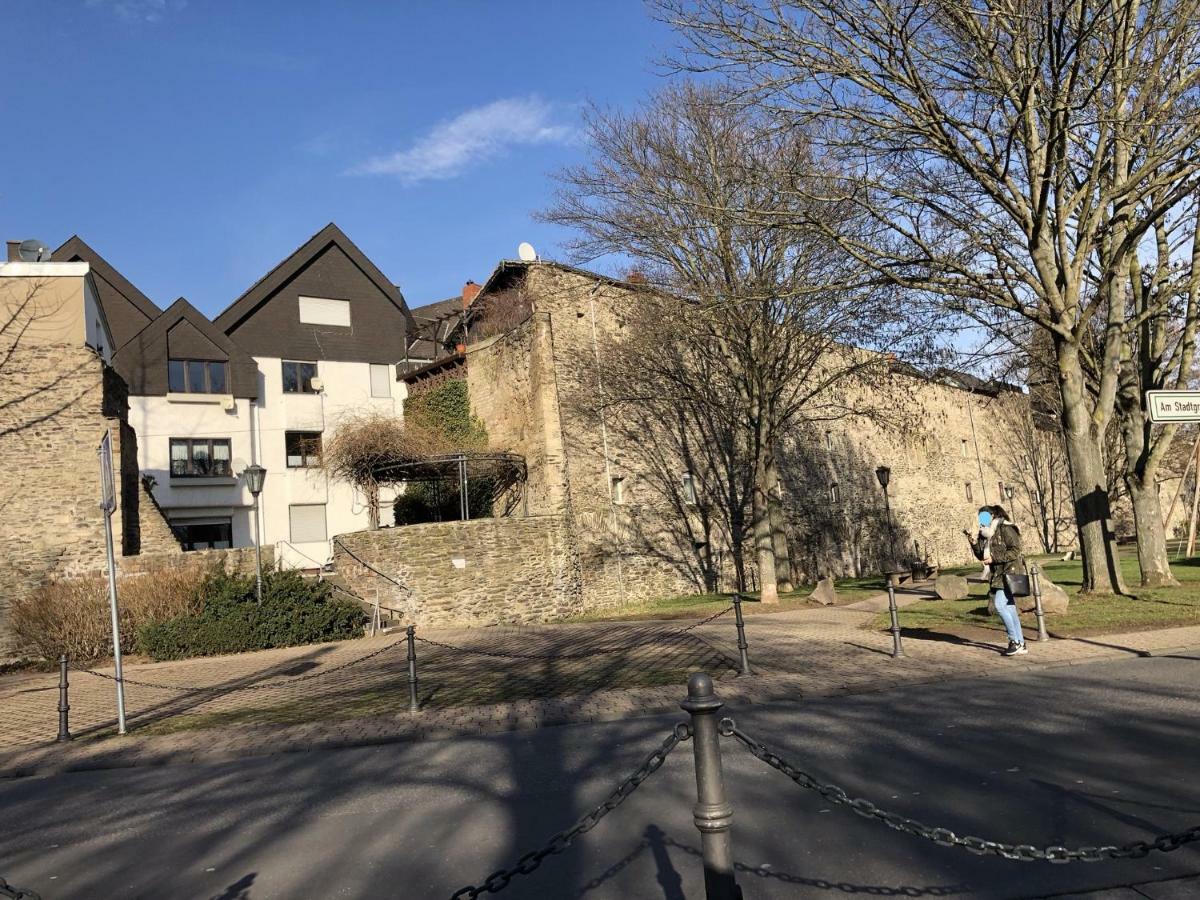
x: 108, y: 503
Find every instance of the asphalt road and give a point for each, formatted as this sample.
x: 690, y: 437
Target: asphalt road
x: 1088, y: 755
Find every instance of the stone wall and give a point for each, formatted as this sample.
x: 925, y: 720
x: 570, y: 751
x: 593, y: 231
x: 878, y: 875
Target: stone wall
x: 56, y: 402
x: 480, y: 572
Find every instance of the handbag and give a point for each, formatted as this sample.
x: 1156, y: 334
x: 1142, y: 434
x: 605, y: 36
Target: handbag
x: 1016, y: 584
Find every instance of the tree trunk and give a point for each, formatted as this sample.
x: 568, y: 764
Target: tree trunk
x: 1151, y: 535
x: 779, y: 539
x: 764, y: 545
x: 1089, y: 481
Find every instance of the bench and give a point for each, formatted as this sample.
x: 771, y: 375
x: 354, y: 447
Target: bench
x: 919, y: 570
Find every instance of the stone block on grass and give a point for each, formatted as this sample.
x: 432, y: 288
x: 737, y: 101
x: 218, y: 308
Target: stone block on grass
x: 951, y: 587
x: 824, y: 593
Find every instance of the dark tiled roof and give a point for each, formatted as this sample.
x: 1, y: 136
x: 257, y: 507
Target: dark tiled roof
x: 126, y: 309
x: 261, y: 291
x: 142, y: 360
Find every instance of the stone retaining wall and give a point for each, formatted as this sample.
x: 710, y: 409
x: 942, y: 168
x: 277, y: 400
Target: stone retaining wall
x: 481, y: 572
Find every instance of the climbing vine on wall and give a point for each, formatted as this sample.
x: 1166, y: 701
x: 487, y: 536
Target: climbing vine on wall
x: 443, y: 405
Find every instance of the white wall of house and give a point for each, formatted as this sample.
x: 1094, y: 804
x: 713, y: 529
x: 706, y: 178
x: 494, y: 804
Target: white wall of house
x: 296, y: 501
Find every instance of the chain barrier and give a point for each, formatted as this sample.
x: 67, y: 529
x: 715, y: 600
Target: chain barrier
x: 12, y: 893
x: 944, y: 837
x: 528, y: 863
x: 215, y: 689
x: 588, y: 654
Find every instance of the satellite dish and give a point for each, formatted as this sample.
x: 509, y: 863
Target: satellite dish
x: 526, y: 252
x: 33, y: 250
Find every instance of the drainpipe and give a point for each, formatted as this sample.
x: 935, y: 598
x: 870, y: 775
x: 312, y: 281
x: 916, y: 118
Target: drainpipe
x: 604, y: 440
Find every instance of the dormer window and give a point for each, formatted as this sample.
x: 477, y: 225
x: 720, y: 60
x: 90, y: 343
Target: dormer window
x: 197, y: 376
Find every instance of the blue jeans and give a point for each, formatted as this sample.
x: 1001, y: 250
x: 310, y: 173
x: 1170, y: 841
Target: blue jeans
x: 1009, y: 615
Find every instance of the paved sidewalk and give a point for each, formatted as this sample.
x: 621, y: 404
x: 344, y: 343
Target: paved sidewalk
x: 796, y: 654
x: 1170, y: 889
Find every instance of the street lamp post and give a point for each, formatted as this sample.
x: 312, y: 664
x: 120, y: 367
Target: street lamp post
x: 884, y: 474
x: 1008, y: 492
x: 255, y: 475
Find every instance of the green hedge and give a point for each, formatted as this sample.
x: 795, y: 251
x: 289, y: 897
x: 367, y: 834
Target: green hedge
x: 293, y: 611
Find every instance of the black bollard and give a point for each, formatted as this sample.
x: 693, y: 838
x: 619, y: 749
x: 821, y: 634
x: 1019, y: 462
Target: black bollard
x: 741, y: 631
x: 1035, y: 583
x: 413, y: 705
x: 712, y: 813
x: 64, y: 706
x: 897, y: 648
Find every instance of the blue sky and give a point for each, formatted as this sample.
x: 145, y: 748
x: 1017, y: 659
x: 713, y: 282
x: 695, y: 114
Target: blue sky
x: 195, y: 143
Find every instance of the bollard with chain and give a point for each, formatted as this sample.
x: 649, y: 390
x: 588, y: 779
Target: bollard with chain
x: 897, y: 648
x: 64, y: 707
x: 712, y: 813
x: 413, y: 705
x: 1035, y: 583
x: 741, y: 633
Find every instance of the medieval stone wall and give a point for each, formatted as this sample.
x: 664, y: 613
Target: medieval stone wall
x: 57, y: 402
x: 479, y: 572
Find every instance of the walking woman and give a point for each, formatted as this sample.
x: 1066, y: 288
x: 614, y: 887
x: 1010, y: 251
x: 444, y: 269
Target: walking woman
x: 998, y: 544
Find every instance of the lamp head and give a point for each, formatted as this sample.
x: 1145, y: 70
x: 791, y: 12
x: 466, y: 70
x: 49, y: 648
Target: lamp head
x: 255, y: 475
x: 884, y: 474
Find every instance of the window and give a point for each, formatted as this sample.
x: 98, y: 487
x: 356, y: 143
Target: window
x: 197, y: 376
x: 298, y: 376
x: 829, y: 441
x: 204, y: 534
x: 618, y: 490
x: 963, y: 448
x: 307, y: 522
x: 835, y: 493
x: 323, y: 311
x: 970, y: 495
x: 303, y: 448
x: 689, y: 489
x: 200, y: 458
x: 381, y: 381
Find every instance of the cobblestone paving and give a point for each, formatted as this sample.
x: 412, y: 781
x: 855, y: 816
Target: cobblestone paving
x: 303, y: 702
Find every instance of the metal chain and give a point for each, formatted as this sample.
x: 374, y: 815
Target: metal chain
x: 944, y: 837
x: 248, y: 687
x: 7, y: 890
x: 528, y: 863
x: 609, y: 648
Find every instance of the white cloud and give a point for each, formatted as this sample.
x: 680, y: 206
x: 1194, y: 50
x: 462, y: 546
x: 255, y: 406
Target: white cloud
x: 140, y: 10
x: 471, y: 138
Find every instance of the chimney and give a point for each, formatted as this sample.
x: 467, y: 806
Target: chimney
x: 636, y: 276
x: 469, y: 292
x: 14, y: 251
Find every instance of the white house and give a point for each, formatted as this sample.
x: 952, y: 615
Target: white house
x: 316, y: 339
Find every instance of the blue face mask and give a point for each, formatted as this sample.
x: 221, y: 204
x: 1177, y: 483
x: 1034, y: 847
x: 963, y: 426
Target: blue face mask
x: 985, y: 519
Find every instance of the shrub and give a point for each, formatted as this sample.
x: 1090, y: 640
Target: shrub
x: 293, y: 611
x: 72, y: 615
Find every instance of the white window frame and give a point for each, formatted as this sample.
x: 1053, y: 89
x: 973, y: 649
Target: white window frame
x: 688, y: 486
x: 385, y: 371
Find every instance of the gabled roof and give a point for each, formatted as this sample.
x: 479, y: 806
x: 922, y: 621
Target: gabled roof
x: 124, y: 305
x: 141, y: 358
x: 262, y: 290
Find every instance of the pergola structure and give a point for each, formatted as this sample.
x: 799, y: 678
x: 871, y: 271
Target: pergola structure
x: 505, y: 473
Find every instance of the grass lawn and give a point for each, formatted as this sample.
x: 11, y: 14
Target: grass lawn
x: 696, y: 606
x: 1147, y: 608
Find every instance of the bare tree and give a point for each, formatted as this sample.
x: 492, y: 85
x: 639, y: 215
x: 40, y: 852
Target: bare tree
x: 1011, y: 156
x: 702, y: 193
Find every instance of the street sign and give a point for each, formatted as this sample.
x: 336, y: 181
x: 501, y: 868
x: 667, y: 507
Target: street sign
x: 1173, y: 406
x: 108, y: 494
